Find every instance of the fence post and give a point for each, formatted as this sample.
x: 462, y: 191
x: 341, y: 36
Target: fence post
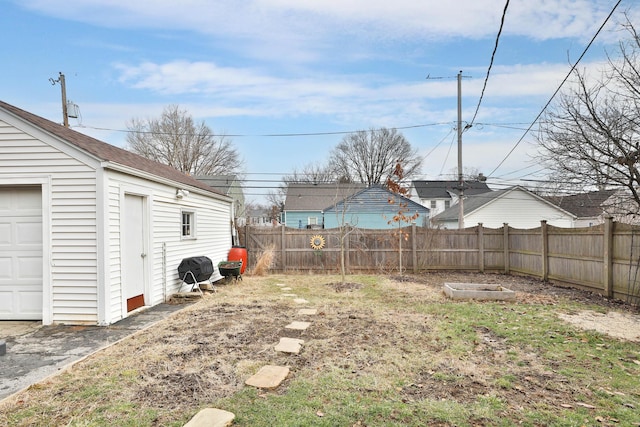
x: 505, y: 243
x: 283, y: 249
x: 545, y: 250
x: 480, y: 248
x: 414, y: 249
x: 608, y: 258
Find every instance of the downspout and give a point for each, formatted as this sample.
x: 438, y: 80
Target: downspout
x: 234, y: 233
x: 164, y: 271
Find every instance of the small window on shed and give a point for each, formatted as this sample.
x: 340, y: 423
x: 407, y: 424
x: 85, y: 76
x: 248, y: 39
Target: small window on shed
x: 313, y: 220
x: 188, y: 225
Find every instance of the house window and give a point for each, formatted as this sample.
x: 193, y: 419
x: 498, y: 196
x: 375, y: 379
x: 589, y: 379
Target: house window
x: 313, y: 220
x: 447, y: 203
x: 433, y: 204
x: 188, y: 225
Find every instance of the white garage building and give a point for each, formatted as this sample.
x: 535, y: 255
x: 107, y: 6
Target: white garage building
x: 90, y: 233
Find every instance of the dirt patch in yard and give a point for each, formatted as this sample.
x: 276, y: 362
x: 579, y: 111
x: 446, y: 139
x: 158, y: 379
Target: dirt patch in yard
x: 625, y: 326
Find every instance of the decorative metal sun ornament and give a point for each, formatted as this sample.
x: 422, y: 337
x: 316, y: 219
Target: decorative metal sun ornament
x: 317, y: 242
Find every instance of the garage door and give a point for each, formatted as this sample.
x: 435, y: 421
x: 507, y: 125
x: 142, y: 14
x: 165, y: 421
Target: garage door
x: 20, y: 253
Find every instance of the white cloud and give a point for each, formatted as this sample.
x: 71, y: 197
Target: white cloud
x: 303, y: 27
x: 370, y: 97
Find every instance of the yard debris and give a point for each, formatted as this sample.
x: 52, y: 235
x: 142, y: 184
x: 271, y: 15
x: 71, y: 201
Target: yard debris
x: 585, y: 405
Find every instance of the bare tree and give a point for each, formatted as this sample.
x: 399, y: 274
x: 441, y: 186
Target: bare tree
x: 394, y: 184
x: 371, y: 156
x: 313, y: 173
x: 275, y: 202
x: 591, y: 137
x: 176, y: 140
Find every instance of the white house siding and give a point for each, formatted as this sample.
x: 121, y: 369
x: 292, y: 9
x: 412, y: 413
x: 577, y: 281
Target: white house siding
x: 519, y: 210
x: 69, y: 261
x: 166, y: 246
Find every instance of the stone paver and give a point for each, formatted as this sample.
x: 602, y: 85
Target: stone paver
x: 289, y: 295
x: 289, y: 345
x: 280, y: 284
x: 300, y: 301
x: 298, y: 326
x: 286, y: 288
x: 211, y: 417
x: 268, y: 377
x: 308, y: 311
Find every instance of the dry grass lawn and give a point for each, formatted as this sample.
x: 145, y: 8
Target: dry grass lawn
x: 381, y: 351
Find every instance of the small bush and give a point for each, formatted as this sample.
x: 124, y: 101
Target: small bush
x: 264, y: 262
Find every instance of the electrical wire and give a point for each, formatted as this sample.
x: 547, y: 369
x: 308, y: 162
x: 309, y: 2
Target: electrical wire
x: 493, y: 55
x: 447, y: 156
x: 573, y: 67
x: 267, y: 135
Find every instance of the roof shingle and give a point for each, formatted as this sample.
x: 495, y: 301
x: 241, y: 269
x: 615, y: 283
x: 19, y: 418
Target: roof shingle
x: 106, y: 152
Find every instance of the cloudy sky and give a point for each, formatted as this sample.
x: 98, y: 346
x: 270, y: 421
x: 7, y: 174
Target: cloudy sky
x: 287, y: 78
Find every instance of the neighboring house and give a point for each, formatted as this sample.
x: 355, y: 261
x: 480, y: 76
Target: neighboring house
x: 305, y: 202
x: 258, y: 217
x: 374, y: 208
x: 593, y: 207
x: 229, y: 185
x: 589, y: 208
x: 90, y: 232
x: 440, y: 195
x: 516, y: 206
x: 330, y: 205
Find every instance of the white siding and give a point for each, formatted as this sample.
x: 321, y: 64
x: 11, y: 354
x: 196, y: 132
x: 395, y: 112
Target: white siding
x: 72, y: 213
x: 213, y: 235
x: 519, y: 210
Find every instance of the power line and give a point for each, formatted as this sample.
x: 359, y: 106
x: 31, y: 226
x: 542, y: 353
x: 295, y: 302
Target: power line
x: 559, y: 87
x: 493, y: 54
x: 267, y: 135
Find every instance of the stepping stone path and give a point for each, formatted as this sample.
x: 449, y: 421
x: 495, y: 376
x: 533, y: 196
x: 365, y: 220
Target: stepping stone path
x: 298, y: 326
x: 211, y: 417
x: 289, y: 345
x: 268, y: 377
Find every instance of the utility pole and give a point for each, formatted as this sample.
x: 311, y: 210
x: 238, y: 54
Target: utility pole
x: 460, y: 178
x: 63, y: 88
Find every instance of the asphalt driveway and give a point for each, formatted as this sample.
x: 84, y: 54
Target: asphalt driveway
x: 34, y: 352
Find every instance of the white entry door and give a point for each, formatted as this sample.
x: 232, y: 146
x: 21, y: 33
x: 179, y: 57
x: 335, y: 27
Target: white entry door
x: 21, y: 253
x: 133, y: 251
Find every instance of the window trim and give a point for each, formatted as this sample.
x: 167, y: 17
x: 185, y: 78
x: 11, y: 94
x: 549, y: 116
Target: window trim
x: 192, y: 224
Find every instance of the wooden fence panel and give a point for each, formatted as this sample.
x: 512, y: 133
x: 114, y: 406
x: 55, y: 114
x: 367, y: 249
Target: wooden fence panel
x: 576, y: 255
x: 626, y: 262
x: 604, y: 259
x: 493, y: 248
x: 525, y: 251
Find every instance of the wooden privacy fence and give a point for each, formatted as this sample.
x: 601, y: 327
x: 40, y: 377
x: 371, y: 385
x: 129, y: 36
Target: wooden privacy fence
x: 603, y: 258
